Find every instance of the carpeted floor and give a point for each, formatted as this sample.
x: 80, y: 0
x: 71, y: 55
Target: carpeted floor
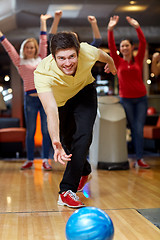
x: 153, y: 215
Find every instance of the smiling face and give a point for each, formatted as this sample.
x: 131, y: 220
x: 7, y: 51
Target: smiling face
x: 67, y: 60
x: 29, y: 50
x: 126, y: 48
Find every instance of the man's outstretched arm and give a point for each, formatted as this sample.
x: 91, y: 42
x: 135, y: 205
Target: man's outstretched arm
x: 51, y: 110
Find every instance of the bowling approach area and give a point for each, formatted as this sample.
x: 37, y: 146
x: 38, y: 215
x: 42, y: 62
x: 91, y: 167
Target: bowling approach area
x: 29, y: 210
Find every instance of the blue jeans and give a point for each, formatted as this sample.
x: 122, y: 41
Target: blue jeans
x: 136, y: 111
x: 31, y: 107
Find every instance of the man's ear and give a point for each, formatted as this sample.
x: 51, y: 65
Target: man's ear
x: 53, y: 57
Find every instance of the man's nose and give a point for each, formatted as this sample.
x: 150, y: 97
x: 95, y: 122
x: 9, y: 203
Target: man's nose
x: 68, y: 62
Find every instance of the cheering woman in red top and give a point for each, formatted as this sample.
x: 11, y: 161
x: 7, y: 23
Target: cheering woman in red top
x: 132, y: 90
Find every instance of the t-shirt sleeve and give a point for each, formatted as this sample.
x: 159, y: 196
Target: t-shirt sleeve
x: 90, y: 52
x: 42, y: 80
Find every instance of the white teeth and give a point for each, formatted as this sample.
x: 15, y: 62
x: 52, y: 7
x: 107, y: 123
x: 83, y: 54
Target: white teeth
x: 68, y: 68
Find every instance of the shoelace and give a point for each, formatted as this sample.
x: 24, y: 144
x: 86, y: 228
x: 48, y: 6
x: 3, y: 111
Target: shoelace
x: 72, y: 195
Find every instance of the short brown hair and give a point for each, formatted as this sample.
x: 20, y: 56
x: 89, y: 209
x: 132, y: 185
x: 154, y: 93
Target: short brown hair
x: 64, y: 40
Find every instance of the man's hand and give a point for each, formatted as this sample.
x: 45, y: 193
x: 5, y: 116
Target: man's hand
x: 112, y: 69
x: 59, y: 154
x: 106, y: 68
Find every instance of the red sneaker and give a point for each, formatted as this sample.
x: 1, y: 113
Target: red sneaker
x: 70, y: 199
x: 141, y: 164
x: 46, y: 166
x: 27, y: 165
x: 83, y: 181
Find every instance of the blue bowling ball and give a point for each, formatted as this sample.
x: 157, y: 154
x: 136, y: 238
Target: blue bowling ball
x: 89, y: 223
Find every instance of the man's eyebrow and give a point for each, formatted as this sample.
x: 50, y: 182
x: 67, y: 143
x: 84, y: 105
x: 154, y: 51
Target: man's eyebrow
x: 65, y: 56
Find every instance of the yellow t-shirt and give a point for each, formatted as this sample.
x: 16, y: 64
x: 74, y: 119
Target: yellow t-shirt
x: 48, y: 77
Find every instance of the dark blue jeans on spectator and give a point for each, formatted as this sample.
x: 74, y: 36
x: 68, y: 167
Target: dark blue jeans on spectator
x: 32, y: 106
x: 136, y: 111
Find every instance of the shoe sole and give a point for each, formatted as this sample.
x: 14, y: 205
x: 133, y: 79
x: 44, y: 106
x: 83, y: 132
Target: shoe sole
x: 89, y: 178
x: 50, y: 169
x: 27, y: 168
x: 59, y: 202
x: 65, y: 204
x: 137, y: 166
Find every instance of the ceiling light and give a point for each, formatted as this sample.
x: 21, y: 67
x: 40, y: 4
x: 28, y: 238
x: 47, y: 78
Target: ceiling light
x: 132, y: 2
x: 69, y: 10
x: 135, y: 8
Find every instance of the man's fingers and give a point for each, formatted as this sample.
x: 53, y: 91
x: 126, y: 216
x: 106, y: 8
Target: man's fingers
x: 68, y: 156
x: 64, y: 158
x: 60, y: 160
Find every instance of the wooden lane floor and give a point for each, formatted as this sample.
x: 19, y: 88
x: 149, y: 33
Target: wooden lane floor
x: 29, y: 210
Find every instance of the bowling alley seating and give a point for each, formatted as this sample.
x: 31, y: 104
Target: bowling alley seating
x: 152, y: 130
x: 12, y: 137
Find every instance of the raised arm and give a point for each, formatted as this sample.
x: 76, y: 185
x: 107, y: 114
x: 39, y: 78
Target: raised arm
x: 133, y: 22
x: 113, y: 22
x: 111, y: 41
x: 97, y: 39
x: 155, y: 66
x: 54, y: 26
x: 43, y: 35
x: 50, y: 107
x: 93, y: 21
x: 142, y: 41
x: 43, y: 19
x: 10, y: 49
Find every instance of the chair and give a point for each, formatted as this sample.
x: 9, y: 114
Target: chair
x: 12, y: 137
x: 153, y: 131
